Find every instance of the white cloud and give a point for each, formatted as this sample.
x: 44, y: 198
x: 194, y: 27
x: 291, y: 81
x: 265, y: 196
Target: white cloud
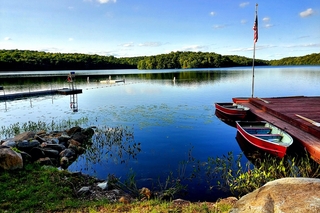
x: 106, y: 1
x: 244, y: 4
x: 268, y: 25
x: 150, y: 44
x: 70, y: 39
x: 7, y: 38
x: 194, y: 48
x: 266, y: 19
x: 218, y: 26
x: 243, y: 21
x: 303, y: 45
x: 130, y: 44
x: 307, y: 13
x: 213, y: 13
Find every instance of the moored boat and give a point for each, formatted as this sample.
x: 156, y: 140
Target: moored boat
x: 240, y: 99
x: 265, y: 136
x: 231, y: 109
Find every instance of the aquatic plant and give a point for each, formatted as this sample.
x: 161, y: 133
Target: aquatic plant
x: 54, y: 125
x: 230, y: 174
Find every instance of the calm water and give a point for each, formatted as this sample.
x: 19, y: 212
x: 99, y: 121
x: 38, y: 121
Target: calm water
x: 166, y: 126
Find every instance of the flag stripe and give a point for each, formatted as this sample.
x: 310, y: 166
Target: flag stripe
x: 255, y: 29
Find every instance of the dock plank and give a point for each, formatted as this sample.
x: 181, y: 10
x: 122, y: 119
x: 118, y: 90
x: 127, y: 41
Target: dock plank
x: 281, y: 112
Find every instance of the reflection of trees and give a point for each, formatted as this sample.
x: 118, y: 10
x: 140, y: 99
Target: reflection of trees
x: 116, y: 144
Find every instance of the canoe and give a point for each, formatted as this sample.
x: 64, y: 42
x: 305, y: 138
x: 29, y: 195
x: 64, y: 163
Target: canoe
x: 231, y: 109
x: 240, y: 99
x: 265, y: 136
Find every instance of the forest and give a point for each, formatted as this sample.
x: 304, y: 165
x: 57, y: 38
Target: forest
x: 26, y: 60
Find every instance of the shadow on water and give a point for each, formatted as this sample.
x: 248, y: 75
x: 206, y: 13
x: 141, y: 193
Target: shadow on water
x: 111, y: 144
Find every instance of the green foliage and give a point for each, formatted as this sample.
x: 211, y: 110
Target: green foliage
x: 312, y: 59
x: 34, y: 60
x: 242, y: 179
x: 178, y: 60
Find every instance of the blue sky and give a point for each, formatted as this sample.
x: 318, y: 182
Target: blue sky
x: 127, y: 28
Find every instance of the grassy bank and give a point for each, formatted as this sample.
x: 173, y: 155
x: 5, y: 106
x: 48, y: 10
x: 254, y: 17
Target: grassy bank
x: 46, y: 189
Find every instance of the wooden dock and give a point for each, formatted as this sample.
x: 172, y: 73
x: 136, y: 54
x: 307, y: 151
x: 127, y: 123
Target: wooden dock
x: 281, y: 111
x: 63, y: 91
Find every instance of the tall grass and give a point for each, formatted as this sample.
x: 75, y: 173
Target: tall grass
x: 17, y: 128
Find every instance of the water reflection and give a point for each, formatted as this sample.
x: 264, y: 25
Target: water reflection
x: 112, y: 145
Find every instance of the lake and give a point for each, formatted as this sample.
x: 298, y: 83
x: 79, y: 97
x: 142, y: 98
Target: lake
x: 167, y: 127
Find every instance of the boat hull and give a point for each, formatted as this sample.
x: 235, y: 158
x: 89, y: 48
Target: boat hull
x: 275, y: 142
x: 240, y: 99
x: 232, y: 110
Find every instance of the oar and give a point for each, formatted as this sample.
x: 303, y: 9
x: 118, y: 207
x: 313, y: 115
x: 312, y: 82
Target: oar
x: 309, y: 120
x: 263, y: 100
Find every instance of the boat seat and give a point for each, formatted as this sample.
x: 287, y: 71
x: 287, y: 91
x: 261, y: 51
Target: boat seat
x: 229, y: 106
x: 257, y: 130
x: 270, y: 137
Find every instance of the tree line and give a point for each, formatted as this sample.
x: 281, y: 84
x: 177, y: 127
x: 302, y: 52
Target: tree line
x: 25, y: 60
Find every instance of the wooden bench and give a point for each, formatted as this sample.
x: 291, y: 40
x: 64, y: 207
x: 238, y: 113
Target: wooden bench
x: 270, y: 137
x: 257, y: 130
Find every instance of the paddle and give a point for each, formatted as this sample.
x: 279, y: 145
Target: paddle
x: 309, y: 120
x: 263, y: 100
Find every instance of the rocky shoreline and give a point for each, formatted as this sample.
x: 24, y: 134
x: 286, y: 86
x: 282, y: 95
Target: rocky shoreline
x: 58, y: 149
x: 55, y: 148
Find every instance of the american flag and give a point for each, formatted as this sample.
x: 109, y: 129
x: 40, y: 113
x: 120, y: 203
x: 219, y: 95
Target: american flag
x: 255, y: 30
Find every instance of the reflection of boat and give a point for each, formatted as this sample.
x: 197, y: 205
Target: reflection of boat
x: 232, y: 109
x: 265, y: 136
x: 226, y: 119
x: 251, y: 152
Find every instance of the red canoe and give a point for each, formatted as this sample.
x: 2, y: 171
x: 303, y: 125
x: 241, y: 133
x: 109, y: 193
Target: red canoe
x: 233, y: 110
x: 265, y: 136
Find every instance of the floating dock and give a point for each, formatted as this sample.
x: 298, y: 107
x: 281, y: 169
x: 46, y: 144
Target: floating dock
x: 284, y: 112
x: 63, y: 91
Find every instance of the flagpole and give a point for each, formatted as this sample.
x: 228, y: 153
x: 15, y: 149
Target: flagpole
x: 255, y: 39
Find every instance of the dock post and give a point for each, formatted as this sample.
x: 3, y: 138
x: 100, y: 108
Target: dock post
x: 72, y: 87
x: 4, y: 97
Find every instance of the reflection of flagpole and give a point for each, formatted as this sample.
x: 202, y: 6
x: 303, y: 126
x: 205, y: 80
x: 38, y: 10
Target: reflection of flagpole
x: 255, y: 39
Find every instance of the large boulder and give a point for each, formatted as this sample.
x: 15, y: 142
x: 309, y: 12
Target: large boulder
x: 283, y: 195
x: 9, y: 159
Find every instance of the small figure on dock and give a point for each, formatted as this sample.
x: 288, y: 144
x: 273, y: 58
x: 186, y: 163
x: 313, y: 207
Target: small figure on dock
x: 69, y: 79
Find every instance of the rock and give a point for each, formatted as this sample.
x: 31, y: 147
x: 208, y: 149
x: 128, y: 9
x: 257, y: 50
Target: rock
x: 124, y: 200
x: 181, y: 202
x: 74, y: 142
x: 64, y: 138
x: 67, y: 153
x: 10, y: 160
x: 81, y: 138
x: 47, y: 161
x: 73, y: 130
x: 146, y: 192
x: 64, y: 162
x: 283, y: 195
x: 26, y: 145
x: 41, y: 132
x: 104, y: 185
x: 38, y: 138
x: 24, y: 136
x: 9, y: 143
x: 37, y: 153
x: 88, y: 132
x: 84, y: 191
x: 58, y: 147
x: 26, y: 157
x: 51, y: 153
